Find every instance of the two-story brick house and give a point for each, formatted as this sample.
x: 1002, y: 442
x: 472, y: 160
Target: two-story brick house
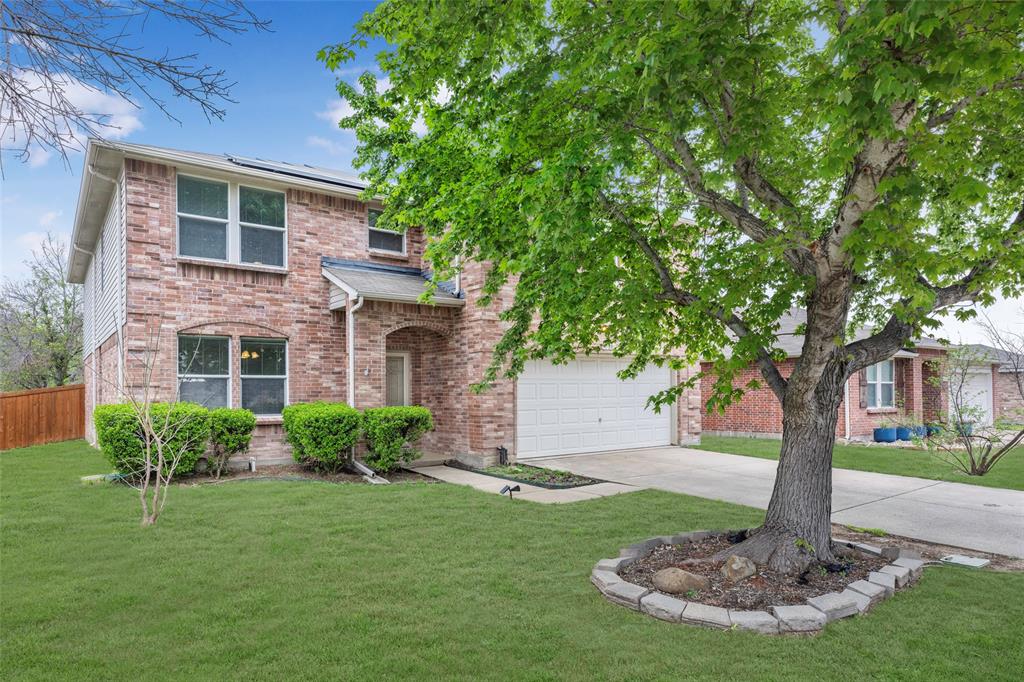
x: 241, y: 282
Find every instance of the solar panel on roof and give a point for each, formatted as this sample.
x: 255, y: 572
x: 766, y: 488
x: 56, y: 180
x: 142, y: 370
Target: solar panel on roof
x: 296, y: 171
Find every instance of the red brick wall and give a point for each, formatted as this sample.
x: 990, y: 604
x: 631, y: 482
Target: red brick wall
x: 1007, y: 399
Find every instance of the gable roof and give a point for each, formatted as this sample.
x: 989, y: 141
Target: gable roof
x: 792, y: 343
x: 104, y: 160
x: 1003, y: 358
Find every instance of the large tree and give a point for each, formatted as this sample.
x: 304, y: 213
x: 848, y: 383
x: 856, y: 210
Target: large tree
x: 679, y: 174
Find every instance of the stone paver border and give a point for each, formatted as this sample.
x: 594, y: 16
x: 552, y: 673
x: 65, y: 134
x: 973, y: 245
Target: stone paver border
x: 808, y: 618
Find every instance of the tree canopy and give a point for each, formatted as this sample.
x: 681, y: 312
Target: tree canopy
x: 679, y: 174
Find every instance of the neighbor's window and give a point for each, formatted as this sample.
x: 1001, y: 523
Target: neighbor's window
x: 261, y: 225
x: 230, y: 222
x: 384, y: 240
x: 204, y: 370
x: 202, y: 218
x: 881, y: 387
x: 264, y: 375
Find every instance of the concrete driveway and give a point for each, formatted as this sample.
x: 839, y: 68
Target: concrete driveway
x: 975, y: 517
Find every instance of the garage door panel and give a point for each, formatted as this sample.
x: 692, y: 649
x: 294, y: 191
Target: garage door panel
x: 584, y: 407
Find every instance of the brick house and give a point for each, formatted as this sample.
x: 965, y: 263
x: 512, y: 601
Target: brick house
x: 1007, y: 379
x: 905, y: 383
x: 249, y: 283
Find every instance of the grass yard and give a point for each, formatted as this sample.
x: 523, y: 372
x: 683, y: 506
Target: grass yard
x: 292, y: 580
x: 1007, y: 473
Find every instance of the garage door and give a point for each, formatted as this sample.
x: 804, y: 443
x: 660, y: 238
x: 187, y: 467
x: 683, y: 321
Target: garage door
x: 977, y: 393
x: 584, y: 407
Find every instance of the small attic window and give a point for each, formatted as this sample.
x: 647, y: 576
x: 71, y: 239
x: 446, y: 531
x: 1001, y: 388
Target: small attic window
x: 386, y: 241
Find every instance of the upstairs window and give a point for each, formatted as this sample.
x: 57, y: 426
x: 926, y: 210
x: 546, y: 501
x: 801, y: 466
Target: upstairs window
x: 264, y: 375
x: 228, y: 222
x: 386, y: 241
x: 881, y: 386
x: 204, y: 370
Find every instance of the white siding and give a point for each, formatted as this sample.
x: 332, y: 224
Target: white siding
x: 103, y: 301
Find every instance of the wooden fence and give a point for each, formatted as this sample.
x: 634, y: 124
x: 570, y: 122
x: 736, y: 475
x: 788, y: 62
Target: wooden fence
x: 43, y: 415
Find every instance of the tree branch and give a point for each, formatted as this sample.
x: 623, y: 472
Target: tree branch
x: 936, y: 120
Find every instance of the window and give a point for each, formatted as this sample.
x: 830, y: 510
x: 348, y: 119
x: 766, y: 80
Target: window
x: 264, y: 375
x: 396, y: 379
x: 233, y: 223
x: 261, y: 225
x: 880, y: 385
x: 384, y: 240
x: 202, y: 218
x: 204, y: 370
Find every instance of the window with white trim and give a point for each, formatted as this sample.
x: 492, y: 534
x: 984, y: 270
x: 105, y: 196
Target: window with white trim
x: 204, y: 370
x: 230, y: 222
x: 381, y: 239
x: 264, y: 375
x: 881, y: 385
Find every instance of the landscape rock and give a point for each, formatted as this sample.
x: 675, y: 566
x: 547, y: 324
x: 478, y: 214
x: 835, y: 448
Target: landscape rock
x: 800, y: 618
x: 625, y: 594
x: 834, y: 605
x: 737, y: 568
x: 883, y: 580
x: 603, y: 579
x: 872, y: 591
x: 863, y: 602
x: 708, y: 616
x: 677, y: 581
x: 614, y: 565
x: 901, y: 573
x: 755, y: 621
x: 915, y: 566
x: 662, y: 606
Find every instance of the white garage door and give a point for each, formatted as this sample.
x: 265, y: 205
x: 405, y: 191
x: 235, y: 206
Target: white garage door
x: 977, y: 392
x: 584, y: 407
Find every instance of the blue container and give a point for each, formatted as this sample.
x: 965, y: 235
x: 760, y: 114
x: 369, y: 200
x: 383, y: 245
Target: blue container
x: 885, y: 435
x: 965, y: 428
x: 904, y: 432
x: 920, y: 431
x: 933, y: 429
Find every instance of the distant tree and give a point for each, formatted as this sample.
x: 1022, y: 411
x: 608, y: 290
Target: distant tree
x: 679, y: 174
x: 53, y: 51
x: 41, y: 323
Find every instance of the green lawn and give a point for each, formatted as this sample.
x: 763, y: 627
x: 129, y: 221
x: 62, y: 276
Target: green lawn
x: 292, y: 580
x: 1007, y: 473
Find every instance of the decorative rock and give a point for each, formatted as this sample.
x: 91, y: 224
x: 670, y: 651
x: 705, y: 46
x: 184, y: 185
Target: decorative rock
x: 801, y: 618
x: 614, y: 565
x: 625, y: 594
x: 737, y: 568
x: 915, y: 566
x: 677, y: 581
x: 662, y: 607
x: 901, y: 574
x: 834, y: 605
x: 708, y: 616
x: 875, y: 593
x: 863, y: 603
x: 883, y: 580
x: 604, y: 579
x: 756, y: 621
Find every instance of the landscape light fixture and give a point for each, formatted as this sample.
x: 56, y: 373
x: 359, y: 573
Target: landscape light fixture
x: 510, y: 489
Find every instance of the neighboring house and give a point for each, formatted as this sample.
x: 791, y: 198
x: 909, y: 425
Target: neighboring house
x: 903, y: 384
x: 258, y: 284
x: 1007, y: 380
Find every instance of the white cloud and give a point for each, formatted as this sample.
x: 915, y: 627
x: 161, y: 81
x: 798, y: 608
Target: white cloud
x: 330, y: 146
x: 335, y: 111
x: 38, y: 157
x: 49, y: 218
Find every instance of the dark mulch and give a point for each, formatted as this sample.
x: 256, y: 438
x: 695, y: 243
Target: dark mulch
x: 531, y: 475
x: 759, y: 591
x: 296, y: 472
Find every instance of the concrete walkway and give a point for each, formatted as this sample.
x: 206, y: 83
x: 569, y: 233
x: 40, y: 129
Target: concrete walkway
x: 533, y: 493
x: 975, y: 517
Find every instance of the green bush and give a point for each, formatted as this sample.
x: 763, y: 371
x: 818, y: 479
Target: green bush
x: 230, y: 433
x: 321, y: 434
x: 120, y: 435
x: 391, y: 433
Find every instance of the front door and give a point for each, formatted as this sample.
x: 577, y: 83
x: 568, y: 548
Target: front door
x: 396, y: 379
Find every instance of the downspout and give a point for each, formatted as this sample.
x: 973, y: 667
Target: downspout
x: 846, y: 410
x: 350, y: 338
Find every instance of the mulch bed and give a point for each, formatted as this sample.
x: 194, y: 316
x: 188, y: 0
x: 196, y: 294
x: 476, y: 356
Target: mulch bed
x: 761, y: 590
x: 295, y: 472
x: 531, y: 475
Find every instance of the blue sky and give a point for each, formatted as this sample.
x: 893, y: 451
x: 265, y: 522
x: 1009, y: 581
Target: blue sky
x: 287, y: 109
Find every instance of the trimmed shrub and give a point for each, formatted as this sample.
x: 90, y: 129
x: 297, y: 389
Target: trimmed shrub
x: 321, y: 434
x: 120, y: 435
x: 230, y: 433
x: 391, y: 433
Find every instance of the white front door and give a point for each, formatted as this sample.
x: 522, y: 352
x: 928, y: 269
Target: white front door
x: 977, y: 392
x: 584, y: 407
x: 396, y: 379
